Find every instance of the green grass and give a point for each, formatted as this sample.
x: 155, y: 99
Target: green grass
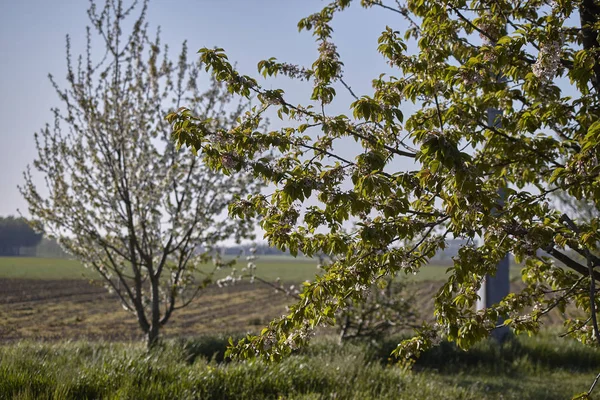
x: 43, y: 268
x: 269, y: 267
x: 545, y: 368
x: 287, y: 268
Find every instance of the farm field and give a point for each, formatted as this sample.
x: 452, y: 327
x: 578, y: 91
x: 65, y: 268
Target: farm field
x: 288, y: 269
x: 49, y: 306
x: 270, y: 267
x: 79, y: 309
x: 53, y: 299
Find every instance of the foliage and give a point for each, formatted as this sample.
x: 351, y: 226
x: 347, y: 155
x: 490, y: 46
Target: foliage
x: 452, y: 60
x: 15, y: 234
x: 544, y: 368
x: 119, y: 195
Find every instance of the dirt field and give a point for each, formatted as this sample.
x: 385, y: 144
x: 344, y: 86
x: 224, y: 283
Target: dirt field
x: 79, y: 309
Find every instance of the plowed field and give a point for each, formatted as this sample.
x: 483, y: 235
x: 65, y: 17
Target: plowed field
x: 81, y: 309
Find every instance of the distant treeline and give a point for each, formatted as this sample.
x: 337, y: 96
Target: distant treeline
x: 16, y: 235
x: 17, y: 238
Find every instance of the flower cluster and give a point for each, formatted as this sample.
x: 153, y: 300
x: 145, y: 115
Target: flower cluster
x: 311, y: 183
x: 229, y: 160
x: 548, y: 60
x: 289, y: 217
x: 294, y: 71
x: 328, y: 54
x: 313, y: 19
x: 298, y: 336
x: 336, y: 175
x: 328, y: 49
x: 488, y: 30
x: 221, y: 138
x: 271, y: 98
x: 269, y: 340
x: 229, y: 280
x: 362, y: 289
x: 470, y: 77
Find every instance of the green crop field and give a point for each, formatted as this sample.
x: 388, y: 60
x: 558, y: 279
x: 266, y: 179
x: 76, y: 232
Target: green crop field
x: 43, y: 268
x: 288, y: 269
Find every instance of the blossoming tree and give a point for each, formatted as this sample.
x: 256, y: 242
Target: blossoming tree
x: 537, y: 61
x: 119, y: 195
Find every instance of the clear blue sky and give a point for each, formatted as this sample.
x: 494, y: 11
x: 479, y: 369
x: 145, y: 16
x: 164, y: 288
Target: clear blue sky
x: 32, y: 45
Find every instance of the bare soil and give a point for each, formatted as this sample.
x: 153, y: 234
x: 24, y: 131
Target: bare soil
x: 78, y: 309
x: 51, y: 310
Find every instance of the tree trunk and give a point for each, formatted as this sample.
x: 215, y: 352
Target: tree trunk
x: 153, y: 332
x: 152, y: 336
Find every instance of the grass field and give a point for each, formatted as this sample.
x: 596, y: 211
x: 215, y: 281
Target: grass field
x: 289, y: 269
x: 190, y: 369
x: 43, y: 268
x: 270, y: 267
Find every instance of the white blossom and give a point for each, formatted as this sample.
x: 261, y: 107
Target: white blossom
x: 120, y: 195
x: 548, y: 60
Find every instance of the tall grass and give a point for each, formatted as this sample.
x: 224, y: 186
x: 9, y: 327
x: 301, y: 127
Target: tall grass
x: 192, y: 369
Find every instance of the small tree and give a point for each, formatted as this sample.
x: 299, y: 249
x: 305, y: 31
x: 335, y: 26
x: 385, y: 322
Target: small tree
x: 388, y: 308
x: 120, y: 196
x: 537, y: 61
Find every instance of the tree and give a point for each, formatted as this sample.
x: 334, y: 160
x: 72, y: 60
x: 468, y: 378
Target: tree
x: 121, y: 197
x: 15, y: 234
x: 387, y: 309
x: 535, y: 60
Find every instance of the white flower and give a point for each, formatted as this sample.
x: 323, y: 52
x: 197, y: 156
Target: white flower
x: 328, y: 49
x: 548, y: 60
x: 470, y: 77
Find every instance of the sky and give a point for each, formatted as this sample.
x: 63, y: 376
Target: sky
x: 32, y: 45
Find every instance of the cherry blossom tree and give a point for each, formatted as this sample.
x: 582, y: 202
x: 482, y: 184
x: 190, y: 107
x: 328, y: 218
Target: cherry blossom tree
x: 119, y: 194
